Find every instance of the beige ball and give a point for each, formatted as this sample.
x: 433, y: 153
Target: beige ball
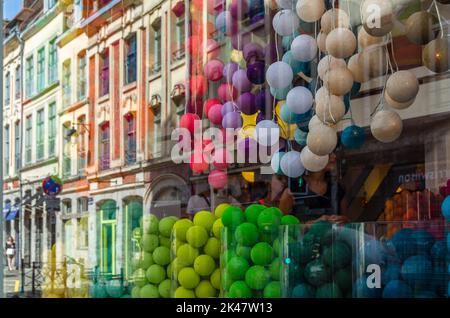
x: 328, y: 63
x: 322, y: 140
x: 321, y: 42
x: 386, y: 126
x: 339, y: 81
x: 436, y: 55
x: 373, y: 60
x: 341, y: 43
x: 359, y: 74
x: 419, y: 27
x: 377, y: 17
x: 313, y: 162
x: 330, y: 109
x: 323, y: 92
x: 310, y: 10
x: 334, y: 18
x: 365, y: 39
x: 315, y: 121
x: 402, y: 86
x: 397, y: 105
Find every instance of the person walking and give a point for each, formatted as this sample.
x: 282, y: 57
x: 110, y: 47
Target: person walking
x: 10, y: 251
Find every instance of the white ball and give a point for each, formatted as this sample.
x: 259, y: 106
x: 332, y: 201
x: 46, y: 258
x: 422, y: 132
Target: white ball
x: 334, y: 18
x: 313, y: 162
x: 330, y: 109
x: 341, y: 43
x: 402, y: 86
x: 279, y: 75
x: 304, y: 48
x: 286, y: 4
x: 291, y: 165
x: 299, y: 100
x: 386, y: 126
x: 377, y: 17
x: 366, y: 40
x: 310, y: 10
x: 359, y: 74
x: 276, y: 160
x: 395, y: 104
x: 373, y: 60
x: 267, y: 132
x: 285, y: 22
x: 322, y: 140
x: 339, y: 81
x: 328, y: 63
x: 322, y: 42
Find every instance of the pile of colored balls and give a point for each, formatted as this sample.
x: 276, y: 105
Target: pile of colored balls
x: 108, y: 288
x: 151, y: 275
x: 251, y: 261
x: 195, y: 251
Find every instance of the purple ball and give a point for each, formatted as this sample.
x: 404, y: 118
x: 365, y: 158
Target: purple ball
x: 253, y: 51
x: 260, y: 117
x: 241, y: 82
x: 229, y: 70
x: 238, y: 41
x: 246, y: 103
x: 261, y: 99
x: 232, y: 120
x: 247, y: 147
x: 239, y: 9
x: 270, y: 53
x: 228, y: 107
x: 256, y: 72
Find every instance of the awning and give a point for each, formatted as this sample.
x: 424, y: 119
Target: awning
x: 13, y: 213
x: 6, y: 209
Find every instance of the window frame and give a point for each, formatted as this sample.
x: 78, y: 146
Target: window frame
x: 7, y: 157
x: 18, y: 80
x: 17, y: 145
x: 52, y: 128
x: 82, y: 77
x: 29, y: 76
x: 40, y: 68
x: 81, y: 146
x: 130, y: 134
x: 105, y: 146
x: 66, y: 83
x: 40, y: 133
x: 131, y: 59
x: 52, y: 73
x: 28, y: 138
x: 104, y: 69
x: 7, y: 88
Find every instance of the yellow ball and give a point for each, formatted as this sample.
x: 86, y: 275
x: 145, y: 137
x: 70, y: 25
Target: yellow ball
x: 217, y: 228
x: 341, y: 43
x: 205, y: 219
x: 180, y: 228
x: 205, y: 290
x: 212, y: 247
x: 220, y: 209
x: 215, y: 278
x: 204, y: 265
x: 182, y: 292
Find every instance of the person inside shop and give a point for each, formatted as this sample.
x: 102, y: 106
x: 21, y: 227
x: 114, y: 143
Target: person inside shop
x: 10, y: 251
x: 201, y: 201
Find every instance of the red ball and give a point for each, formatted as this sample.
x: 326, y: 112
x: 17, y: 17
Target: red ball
x: 227, y: 92
x: 198, y: 86
x: 187, y: 121
x: 194, y: 44
x: 198, y: 163
x: 208, y: 104
x: 218, y: 179
x: 215, y: 114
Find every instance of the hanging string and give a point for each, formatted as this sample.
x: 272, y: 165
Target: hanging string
x: 380, y: 100
x: 439, y: 18
x: 393, y: 51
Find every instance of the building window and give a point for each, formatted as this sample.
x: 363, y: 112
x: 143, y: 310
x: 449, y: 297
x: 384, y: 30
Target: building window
x: 7, y: 89
x: 131, y: 62
x: 81, y: 150
x: 67, y: 206
x: 51, y: 128
x: 180, y: 36
x: 40, y: 134
x: 157, y: 135
x: 17, y: 145
x: 83, y: 233
x: 41, y: 70
x: 6, y: 151
x: 81, y: 83
x: 66, y: 151
x: 51, y: 3
x: 66, y: 87
x: 17, y: 85
x: 52, y: 62
x: 130, y: 138
x: 82, y: 205
x: 104, y: 73
x: 155, y: 51
x: 29, y: 76
x: 28, y: 138
x: 104, y: 146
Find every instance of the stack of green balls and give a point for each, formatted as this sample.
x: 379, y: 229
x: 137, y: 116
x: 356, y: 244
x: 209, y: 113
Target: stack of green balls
x: 251, y: 267
x: 196, y: 252
x: 151, y: 275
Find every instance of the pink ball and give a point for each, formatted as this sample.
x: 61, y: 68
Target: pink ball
x: 215, y: 114
x: 214, y: 70
x: 198, y: 164
x: 218, y: 179
x: 227, y: 92
x: 221, y: 158
x: 188, y: 120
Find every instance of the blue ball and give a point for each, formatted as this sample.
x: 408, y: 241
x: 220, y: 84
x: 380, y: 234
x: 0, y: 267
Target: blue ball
x: 423, y: 241
x: 390, y: 273
x: 448, y: 242
x: 397, y: 289
x: 353, y: 137
x: 361, y: 290
x: 280, y: 93
x: 287, y: 40
x: 374, y: 252
x: 446, y: 208
x: 300, y: 136
x: 402, y: 241
x: 288, y: 116
x: 303, y: 291
x: 296, y: 65
x: 417, y: 271
x: 425, y: 294
x: 438, y: 252
x: 355, y: 89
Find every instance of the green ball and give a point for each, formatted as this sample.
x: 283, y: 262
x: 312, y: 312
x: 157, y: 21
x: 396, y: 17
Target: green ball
x: 205, y: 290
x: 147, y: 260
x: 150, y: 242
x: 252, y: 212
x: 149, y: 291
x: 188, y: 278
x: 161, y: 256
x: 186, y: 254
x: 197, y: 236
x: 180, y: 228
x: 257, y: 277
x: 268, y: 220
x: 175, y: 245
x: 165, y: 226
x: 262, y: 253
x: 182, y: 292
x: 272, y: 290
x: 137, y: 260
x: 164, y: 288
x: 204, y: 265
x: 136, y: 292
x: 225, y: 280
x: 275, y: 268
x: 215, y: 278
x: 175, y: 267
x: 275, y: 211
x: 243, y: 251
x: 137, y: 233
x: 337, y: 255
x: 217, y: 228
x: 140, y: 278
x: 268, y: 237
x: 237, y: 267
x: 329, y: 290
x: 226, y: 256
x: 205, y: 219
x: 289, y: 220
x: 246, y: 234
x: 220, y: 209
x: 156, y: 274
x: 164, y: 241
x: 212, y: 247
x: 343, y: 278
x: 150, y: 224
x: 316, y: 273
x: 232, y: 217
x: 239, y: 289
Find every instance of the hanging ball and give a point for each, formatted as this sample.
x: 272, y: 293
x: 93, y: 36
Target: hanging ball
x: 310, y: 10
x: 313, y: 162
x: 334, y: 18
x: 300, y: 137
x: 218, y: 179
x: 281, y: 93
x: 402, y: 86
x: 187, y: 121
x: 279, y: 75
x: 253, y: 51
x: 241, y: 81
x: 373, y: 60
x: 227, y: 92
x: 246, y: 103
x: 341, y: 43
x: 386, y: 126
x: 359, y: 74
x: 229, y: 107
x: 285, y: 22
x: 436, y: 56
x: 330, y: 109
x: 208, y: 104
x: 291, y: 165
x: 304, y: 48
x: 232, y: 120
x: 353, y: 137
x: 275, y: 162
x: 365, y: 39
x: 338, y: 81
x: 256, y: 72
x: 267, y: 133
x: 377, y: 17
x: 214, y: 70
x: 215, y: 114
x: 327, y: 63
x: 321, y: 42
x: 419, y: 27
x: 315, y: 121
x: 239, y: 9
x: 397, y: 105
x: 228, y: 71
x: 299, y: 100
x: 322, y: 140
x: 224, y: 22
